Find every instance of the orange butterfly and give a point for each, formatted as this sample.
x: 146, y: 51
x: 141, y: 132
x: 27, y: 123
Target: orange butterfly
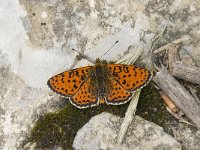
x: 92, y: 85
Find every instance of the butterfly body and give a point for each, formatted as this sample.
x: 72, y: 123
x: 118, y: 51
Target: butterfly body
x: 102, y: 83
x: 101, y: 78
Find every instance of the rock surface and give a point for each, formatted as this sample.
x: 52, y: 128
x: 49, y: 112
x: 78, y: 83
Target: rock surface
x: 101, y: 133
x: 189, y: 137
x: 37, y: 38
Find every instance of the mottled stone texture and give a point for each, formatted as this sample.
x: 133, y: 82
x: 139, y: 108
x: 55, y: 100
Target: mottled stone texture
x: 37, y: 38
x: 101, y: 133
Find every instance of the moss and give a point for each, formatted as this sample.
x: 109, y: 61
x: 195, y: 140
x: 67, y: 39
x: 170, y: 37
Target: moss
x: 61, y: 127
x: 151, y: 107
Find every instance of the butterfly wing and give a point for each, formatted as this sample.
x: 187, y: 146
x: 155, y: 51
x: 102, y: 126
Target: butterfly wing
x: 83, y: 98
x: 69, y: 82
x: 130, y: 77
x: 118, y: 95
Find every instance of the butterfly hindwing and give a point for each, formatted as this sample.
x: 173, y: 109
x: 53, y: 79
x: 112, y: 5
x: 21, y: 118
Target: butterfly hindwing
x: 68, y: 83
x: 118, y: 94
x: 130, y: 77
x: 83, y: 98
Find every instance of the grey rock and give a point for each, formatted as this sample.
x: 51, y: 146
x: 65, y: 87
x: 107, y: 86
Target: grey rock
x: 102, y: 130
x: 37, y: 38
x: 188, y: 137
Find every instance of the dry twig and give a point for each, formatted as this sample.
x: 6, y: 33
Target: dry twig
x: 180, y: 96
x: 188, y: 73
x: 178, y: 41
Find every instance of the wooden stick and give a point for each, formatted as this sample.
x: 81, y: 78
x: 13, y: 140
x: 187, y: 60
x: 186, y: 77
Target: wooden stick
x: 179, y: 95
x: 85, y: 56
x: 188, y: 73
x: 172, y: 56
x: 178, y: 41
x: 169, y: 103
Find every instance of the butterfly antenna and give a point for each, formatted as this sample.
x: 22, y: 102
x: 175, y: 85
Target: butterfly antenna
x: 109, y: 49
x: 94, y: 54
x: 84, y: 56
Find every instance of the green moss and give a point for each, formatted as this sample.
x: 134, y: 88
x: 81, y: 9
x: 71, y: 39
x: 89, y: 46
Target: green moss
x: 151, y: 107
x: 61, y: 127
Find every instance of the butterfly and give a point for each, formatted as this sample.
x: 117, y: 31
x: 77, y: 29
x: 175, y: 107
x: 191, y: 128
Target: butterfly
x: 89, y: 86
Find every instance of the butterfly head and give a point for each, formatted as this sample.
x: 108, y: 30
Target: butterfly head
x: 100, y: 62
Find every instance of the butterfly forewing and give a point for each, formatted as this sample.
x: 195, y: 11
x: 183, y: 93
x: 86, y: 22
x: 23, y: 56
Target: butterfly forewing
x: 130, y: 77
x: 69, y: 82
